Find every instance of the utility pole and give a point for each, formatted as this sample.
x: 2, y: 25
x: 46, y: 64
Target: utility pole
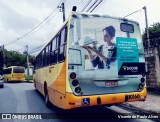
x: 27, y: 60
x: 4, y: 66
x: 147, y: 30
x: 62, y: 9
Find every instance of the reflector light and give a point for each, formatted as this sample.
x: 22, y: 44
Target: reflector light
x: 141, y: 85
x: 78, y: 89
x: 75, y: 82
x: 73, y: 75
x: 142, y: 80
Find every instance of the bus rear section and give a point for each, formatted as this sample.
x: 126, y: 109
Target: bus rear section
x: 106, y: 62
x: 14, y: 73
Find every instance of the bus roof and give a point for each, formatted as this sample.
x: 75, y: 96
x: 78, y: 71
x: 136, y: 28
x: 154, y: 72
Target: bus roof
x: 103, y: 15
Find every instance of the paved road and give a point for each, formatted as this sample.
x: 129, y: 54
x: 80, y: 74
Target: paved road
x: 23, y: 98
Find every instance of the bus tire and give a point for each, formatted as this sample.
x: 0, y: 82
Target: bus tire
x: 1, y: 85
x: 46, y: 97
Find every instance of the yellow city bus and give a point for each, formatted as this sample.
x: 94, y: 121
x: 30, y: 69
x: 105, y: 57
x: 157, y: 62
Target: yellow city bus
x: 92, y: 60
x: 14, y: 73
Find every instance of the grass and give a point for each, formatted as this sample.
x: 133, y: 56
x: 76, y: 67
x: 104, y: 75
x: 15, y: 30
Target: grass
x: 30, y: 77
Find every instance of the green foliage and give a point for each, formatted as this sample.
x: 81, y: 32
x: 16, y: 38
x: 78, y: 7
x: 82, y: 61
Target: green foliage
x: 13, y: 58
x: 1, y: 61
x: 154, y: 32
x: 29, y: 77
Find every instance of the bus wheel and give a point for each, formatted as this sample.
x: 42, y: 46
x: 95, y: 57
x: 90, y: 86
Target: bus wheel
x: 1, y: 85
x: 47, y: 102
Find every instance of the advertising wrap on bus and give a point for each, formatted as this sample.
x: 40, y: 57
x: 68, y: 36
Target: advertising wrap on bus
x: 106, y: 54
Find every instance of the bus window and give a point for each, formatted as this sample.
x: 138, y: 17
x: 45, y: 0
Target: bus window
x: 8, y: 71
x: 18, y: 70
x: 53, y: 56
x: 125, y: 27
x: 62, y: 49
x: 48, y: 54
x: 44, y: 57
x: 41, y: 60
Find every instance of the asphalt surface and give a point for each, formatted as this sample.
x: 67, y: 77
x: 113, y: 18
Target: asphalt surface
x: 22, y: 98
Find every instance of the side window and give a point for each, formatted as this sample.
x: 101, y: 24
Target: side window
x: 54, y: 44
x: 8, y: 71
x: 62, y: 37
x: 58, y: 40
x: 53, y: 55
x: 48, y: 54
x: 62, y: 49
x: 41, y: 60
x: 44, y: 57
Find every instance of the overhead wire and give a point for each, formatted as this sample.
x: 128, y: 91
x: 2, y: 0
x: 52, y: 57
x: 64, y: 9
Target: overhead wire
x: 91, y: 6
x: 133, y: 13
x: 86, y: 5
x: 100, y: 3
x: 26, y: 34
x: 44, y: 23
x: 48, y: 18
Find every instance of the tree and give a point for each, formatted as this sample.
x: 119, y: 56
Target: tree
x: 154, y: 32
x: 1, y: 60
x: 14, y: 58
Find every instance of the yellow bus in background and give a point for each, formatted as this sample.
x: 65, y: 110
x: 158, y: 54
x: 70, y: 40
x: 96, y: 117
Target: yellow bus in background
x: 14, y: 73
x: 72, y: 70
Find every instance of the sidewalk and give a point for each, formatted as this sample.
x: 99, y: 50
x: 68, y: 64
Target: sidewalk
x: 150, y: 106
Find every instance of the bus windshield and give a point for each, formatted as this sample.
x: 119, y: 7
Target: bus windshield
x: 18, y: 70
x: 101, y: 50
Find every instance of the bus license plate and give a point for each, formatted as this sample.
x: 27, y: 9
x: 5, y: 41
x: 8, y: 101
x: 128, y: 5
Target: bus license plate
x: 111, y: 83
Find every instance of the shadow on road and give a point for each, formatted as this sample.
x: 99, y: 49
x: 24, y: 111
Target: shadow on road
x: 10, y: 82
